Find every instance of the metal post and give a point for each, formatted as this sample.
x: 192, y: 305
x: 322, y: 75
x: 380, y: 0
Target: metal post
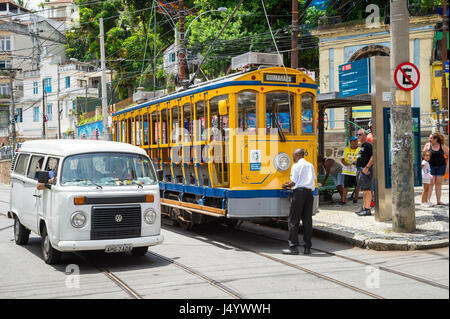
x: 57, y: 97
x: 154, y: 52
x: 105, y: 113
x: 182, y: 49
x: 403, y: 208
x: 444, y: 103
x: 12, y: 108
x: 43, y: 110
x: 294, y: 43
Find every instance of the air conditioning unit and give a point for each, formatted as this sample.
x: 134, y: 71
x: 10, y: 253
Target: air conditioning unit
x: 256, y: 58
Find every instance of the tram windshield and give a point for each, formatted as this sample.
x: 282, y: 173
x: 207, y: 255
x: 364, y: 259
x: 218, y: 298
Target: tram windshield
x: 107, y: 169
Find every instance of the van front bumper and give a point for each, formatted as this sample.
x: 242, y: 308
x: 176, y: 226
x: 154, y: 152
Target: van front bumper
x: 75, y: 245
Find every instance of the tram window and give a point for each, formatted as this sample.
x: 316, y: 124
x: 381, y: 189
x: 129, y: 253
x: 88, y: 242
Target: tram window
x: 175, y: 125
x: 187, y: 122
x: 138, y: 129
x: 164, y: 126
x: 219, y: 124
x: 280, y: 112
x: 145, y: 124
x: 155, y: 128
x: 307, y: 113
x: 246, y: 115
x: 200, y: 121
x: 124, y: 132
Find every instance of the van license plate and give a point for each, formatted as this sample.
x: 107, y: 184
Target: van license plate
x: 118, y: 248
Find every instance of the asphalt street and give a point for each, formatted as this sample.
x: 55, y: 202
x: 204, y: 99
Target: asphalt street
x: 246, y: 261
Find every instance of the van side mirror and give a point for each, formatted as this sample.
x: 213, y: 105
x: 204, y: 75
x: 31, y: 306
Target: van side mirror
x: 43, y: 177
x: 160, y: 175
x: 223, y: 107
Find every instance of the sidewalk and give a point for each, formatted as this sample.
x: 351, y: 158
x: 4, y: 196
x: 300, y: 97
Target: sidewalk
x: 341, y: 223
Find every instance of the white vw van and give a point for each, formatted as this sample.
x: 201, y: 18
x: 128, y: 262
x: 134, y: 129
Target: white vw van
x: 85, y: 195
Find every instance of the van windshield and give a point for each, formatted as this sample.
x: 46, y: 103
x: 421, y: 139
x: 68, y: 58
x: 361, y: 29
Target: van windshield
x: 107, y: 169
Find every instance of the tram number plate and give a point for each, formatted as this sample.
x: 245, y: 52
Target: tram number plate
x: 118, y: 248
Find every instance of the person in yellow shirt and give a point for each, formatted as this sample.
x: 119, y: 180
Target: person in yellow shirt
x: 349, y: 169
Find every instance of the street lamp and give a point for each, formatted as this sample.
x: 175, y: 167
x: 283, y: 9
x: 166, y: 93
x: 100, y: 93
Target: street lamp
x: 221, y: 9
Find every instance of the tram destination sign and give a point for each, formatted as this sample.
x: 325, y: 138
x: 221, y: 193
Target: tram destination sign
x: 354, y: 78
x: 280, y: 78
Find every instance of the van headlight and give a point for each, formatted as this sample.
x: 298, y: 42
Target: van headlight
x: 282, y: 161
x: 78, y: 219
x: 150, y: 216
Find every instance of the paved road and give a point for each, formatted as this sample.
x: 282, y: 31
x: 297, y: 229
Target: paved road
x: 216, y: 262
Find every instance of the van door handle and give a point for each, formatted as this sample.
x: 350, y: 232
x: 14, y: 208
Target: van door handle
x: 38, y: 196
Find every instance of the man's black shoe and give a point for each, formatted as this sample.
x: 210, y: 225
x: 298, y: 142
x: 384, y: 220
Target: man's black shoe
x: 307, y: 251
x: 365, y: 212
x: 290, y: 251
x: 360, y: 211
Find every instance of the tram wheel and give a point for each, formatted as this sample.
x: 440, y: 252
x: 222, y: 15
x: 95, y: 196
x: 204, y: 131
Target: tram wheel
x: 181, y: 219
x: 231, y: 223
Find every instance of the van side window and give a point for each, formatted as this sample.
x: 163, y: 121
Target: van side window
x: 35, y: 166
x: 21, y: 166
x: 52, y: 168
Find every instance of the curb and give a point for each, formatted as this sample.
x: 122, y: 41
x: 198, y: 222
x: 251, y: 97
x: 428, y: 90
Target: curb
x: 380, y: 244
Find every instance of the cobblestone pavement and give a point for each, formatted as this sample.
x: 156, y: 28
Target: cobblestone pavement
x: 341, y: 222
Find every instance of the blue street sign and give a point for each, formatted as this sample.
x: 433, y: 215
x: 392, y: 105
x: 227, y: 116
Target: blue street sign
x: 354, y: 78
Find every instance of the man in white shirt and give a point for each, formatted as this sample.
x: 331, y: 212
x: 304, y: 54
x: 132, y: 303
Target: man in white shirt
x: 303, y: 182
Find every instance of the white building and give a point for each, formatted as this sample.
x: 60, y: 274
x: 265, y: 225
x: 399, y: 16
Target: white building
x: 170, y: 61
x: 66, y: 12
x: 75, y: 80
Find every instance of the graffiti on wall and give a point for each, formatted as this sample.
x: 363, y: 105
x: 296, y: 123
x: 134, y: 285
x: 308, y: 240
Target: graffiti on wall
x: 90, y: 131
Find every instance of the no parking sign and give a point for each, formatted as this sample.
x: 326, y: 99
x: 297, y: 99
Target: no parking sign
x: 407, y: 76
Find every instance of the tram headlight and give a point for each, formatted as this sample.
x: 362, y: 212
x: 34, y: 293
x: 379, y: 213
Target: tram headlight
x: 150, y: 216
x: 78, y: 219
x: 282, y: 162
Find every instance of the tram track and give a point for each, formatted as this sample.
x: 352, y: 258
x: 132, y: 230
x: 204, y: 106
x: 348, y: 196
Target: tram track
x: 303, y: 269
x: 135, y: 295
x: 320, y: 275
x: 7, y: 227
x: 355, y: 260
x: 209, y: 280
x: 119, y: 282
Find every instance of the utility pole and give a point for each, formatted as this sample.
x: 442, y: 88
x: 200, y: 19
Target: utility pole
x: 105, y: 133
x: 43, y: 110
x: 294, y: 51
x: 182, y: 49
x: 403, y: 209
x: 59, y: 112
x: 444, y: 104
x: 12, y: 107
x: 154, y: 53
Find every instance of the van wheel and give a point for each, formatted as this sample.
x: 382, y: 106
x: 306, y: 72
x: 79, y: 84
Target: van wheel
x: 51, y: 255
x: 139, y: 251
x: 21, y: 234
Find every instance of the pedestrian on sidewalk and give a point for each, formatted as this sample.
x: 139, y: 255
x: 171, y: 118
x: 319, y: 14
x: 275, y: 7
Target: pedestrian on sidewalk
x: 426, y: 179
x: 334, y: 169
x: 438, y: 164
x: 349, y: 169
x: 303, y: 182
x: 364, y: 174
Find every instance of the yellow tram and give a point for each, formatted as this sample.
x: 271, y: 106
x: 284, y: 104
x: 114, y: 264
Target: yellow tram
x: 225, y: 146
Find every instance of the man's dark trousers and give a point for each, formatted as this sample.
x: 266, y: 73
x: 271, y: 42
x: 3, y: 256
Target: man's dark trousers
x: 301, y: 208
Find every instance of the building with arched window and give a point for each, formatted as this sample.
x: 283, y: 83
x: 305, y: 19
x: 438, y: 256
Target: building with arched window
x: 348, y: 42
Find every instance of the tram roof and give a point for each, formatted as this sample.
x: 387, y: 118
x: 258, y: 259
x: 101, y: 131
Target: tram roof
x: 209, y: 85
